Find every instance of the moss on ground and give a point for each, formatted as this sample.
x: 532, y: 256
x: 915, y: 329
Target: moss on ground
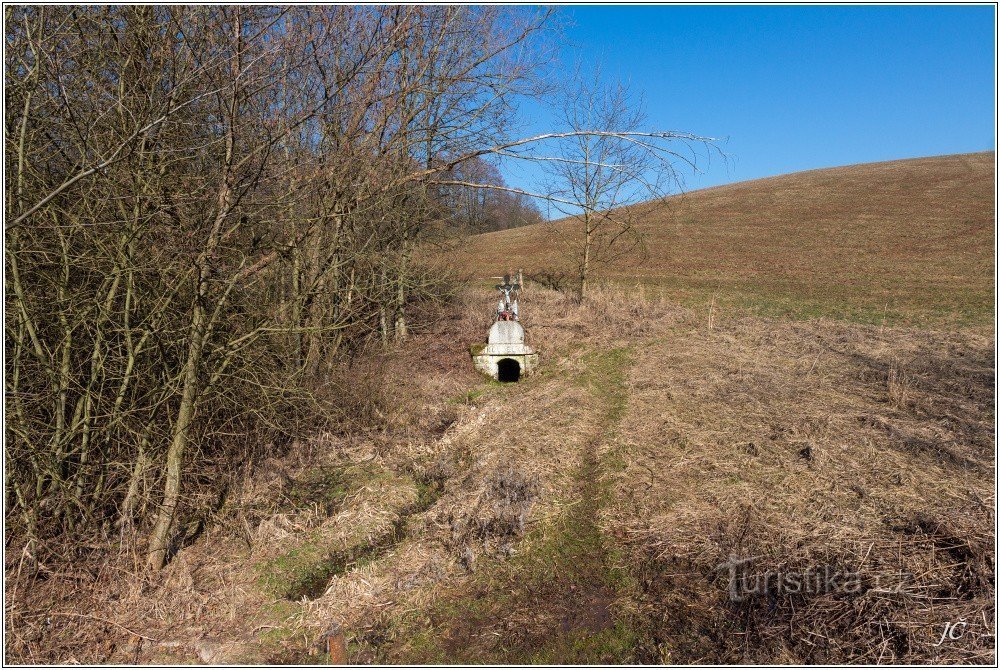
x: 481, y: 392
x: 306, y: 568
x: 298, y: 570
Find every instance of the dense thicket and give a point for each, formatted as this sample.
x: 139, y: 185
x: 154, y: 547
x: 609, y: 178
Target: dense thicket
x: 205, y: 208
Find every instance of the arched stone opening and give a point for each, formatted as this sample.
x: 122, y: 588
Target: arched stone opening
x: 508, y: 370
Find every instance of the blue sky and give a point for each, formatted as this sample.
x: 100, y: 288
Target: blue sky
x: 794, y: 88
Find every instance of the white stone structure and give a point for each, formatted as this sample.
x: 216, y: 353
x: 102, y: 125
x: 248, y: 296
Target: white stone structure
x: 505, y: 357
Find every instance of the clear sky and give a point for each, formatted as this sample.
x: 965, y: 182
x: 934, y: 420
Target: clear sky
x: 795, y: 88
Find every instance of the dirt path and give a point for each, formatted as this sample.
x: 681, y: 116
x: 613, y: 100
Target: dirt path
x: 559, y: 598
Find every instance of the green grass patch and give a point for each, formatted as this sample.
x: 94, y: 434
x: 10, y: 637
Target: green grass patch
x: 562, y: 568
x: 305, y: 569
x: 919, y: 303
x: 615, y: 645
x: 298, y: 570
x: 605, y: 376
x: 481, y: 392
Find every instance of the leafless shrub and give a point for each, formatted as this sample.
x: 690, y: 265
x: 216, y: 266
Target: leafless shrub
x: 208, y: 209
x: 553, y: 279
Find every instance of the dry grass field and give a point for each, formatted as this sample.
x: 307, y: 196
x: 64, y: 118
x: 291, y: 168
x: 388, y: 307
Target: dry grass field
x: 587, y: 513
x: 907, y: 241
x: 582, y: 515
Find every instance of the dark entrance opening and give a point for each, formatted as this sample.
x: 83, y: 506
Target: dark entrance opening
x: 508, y: 370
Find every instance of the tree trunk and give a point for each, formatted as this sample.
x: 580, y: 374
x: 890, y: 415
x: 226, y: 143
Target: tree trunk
x: 400, y: 329
x: 585, y: 265
x: 159, y: 539
x: 296, y: 322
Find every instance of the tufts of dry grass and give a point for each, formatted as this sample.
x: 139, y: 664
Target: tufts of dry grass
x: 804, y: 446
x: 450, y: 526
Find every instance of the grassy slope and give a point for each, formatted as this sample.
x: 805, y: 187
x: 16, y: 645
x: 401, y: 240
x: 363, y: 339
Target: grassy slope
x: 909, y: 240
x: 806, y: 445
x: 864, y: 448
x: 580, y: 516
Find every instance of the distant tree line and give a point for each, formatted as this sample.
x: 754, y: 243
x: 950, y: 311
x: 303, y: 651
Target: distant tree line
x: 480, y: 210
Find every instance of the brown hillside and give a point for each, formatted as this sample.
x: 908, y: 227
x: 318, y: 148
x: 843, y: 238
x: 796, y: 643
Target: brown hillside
x: 903, y: 240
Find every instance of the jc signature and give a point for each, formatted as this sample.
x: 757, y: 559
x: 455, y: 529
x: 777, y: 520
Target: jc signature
x: 952, y: 631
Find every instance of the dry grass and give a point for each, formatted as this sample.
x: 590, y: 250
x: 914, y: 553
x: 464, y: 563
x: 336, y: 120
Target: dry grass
x: 580, y: 515
x: 905, y: 241
x: 811, y: 445
x: 224, y: 597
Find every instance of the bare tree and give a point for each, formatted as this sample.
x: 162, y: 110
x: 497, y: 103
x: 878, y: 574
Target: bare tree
x: 595, y: 176
x: 207, y: 207
x: 203, y: 205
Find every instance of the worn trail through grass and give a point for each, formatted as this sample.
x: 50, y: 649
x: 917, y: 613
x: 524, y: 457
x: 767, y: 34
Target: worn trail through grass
x: 560, y: 598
